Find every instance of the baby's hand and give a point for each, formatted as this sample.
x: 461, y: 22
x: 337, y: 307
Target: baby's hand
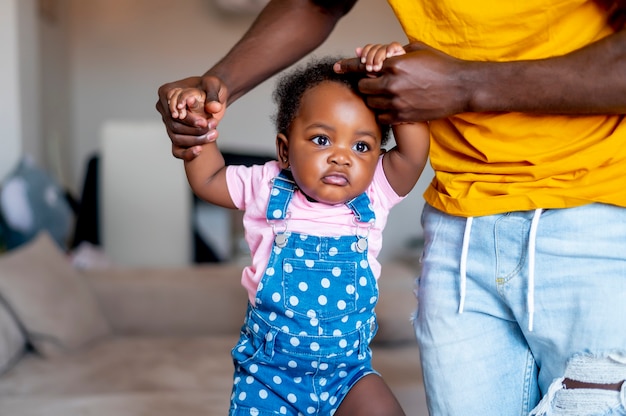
x: 186, y: 100
x: 373, y: 56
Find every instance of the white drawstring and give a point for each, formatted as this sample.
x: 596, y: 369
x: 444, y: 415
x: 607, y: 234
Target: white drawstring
x: 532, y: 239
x: 464, y: 250
x: 530, y: 296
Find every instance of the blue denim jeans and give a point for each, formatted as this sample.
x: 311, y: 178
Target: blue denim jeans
x: 534, y: 297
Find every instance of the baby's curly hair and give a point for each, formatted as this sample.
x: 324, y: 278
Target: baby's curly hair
x: 291, y: 87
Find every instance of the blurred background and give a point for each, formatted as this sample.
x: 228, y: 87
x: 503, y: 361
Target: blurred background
x: 80, y: 86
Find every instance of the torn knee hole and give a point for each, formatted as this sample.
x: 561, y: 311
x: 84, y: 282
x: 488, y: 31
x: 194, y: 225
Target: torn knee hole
x: 589, y: 371
x: 592, y: 384
x: 568, y: 383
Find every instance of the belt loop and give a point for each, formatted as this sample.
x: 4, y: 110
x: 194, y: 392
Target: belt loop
x: 270, y: 339
x: 248, y: 316
x: 364, y: 336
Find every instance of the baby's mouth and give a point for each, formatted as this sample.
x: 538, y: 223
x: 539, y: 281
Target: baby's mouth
x: 338, y: 180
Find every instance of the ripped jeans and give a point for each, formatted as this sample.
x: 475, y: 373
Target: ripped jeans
x: 543, y: 298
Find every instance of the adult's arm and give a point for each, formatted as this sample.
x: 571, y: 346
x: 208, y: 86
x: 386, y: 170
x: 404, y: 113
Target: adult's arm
x: 427, y: 84
x: 284, y: 32
x: 591, y: 80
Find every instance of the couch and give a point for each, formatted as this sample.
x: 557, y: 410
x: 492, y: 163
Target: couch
x: 131, y: 341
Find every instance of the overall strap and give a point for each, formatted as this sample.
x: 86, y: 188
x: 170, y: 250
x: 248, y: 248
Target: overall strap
x: 364, y: 219
x: 362, y: 208
x: 283, y: 187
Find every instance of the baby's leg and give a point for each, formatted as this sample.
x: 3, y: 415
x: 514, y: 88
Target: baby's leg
x: 370, y: 396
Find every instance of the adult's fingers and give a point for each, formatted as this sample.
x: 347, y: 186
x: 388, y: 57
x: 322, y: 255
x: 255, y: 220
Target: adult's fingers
x: 349, y: 65
x: 373, y: 86
x: 187, y: 147
x: 191, y: 125
x: 186, y: 153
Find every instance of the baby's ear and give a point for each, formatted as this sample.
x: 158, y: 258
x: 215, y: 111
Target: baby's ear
x: 282, y: 150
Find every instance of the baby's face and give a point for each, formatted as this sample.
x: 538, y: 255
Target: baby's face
x: 334, y: 144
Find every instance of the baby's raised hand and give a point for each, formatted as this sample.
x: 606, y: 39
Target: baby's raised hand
x: 184, y: 100
x: 373, y: 55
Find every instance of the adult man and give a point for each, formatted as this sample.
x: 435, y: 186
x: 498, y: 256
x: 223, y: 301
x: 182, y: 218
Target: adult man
x: 524, y: 272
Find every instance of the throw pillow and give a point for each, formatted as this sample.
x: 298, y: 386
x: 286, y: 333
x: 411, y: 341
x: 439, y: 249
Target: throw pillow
x: 31, y: 201
x: 12, y: 341
x: 50, y: 298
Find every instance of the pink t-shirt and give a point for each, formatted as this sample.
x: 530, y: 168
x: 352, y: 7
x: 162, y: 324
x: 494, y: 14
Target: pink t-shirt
x: 249, y: 189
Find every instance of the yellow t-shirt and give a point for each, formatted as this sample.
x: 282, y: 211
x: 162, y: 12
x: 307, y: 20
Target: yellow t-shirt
x: 488, y: 163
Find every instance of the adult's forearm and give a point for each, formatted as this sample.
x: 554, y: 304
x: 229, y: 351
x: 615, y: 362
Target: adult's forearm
x: 591, y: 80
x: 284, y: 32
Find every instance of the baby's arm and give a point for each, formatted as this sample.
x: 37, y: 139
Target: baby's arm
x: 206, y: 173
x: 404, y: 163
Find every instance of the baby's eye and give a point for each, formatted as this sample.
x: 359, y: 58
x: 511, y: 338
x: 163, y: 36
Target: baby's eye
x: 361, y: 147
x: 321, y: 140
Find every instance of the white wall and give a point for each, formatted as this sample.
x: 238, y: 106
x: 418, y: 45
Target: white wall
x: 11, y: 93
x: 56, y: 139
x: 104, y: 60
x: 122, y: 50
x: 23, y: 69
x: 30, y: 85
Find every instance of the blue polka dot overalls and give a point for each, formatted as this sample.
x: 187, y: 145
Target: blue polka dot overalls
x: 306, y: 341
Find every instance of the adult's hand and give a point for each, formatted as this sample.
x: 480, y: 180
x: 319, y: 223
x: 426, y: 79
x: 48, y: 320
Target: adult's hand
x: 426, y: 84
x: 263, y: 51
x: 423, y: 84
x: 189, y: 134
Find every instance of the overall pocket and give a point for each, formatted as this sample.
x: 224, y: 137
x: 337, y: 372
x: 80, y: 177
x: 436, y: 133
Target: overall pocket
x: 321, y: 289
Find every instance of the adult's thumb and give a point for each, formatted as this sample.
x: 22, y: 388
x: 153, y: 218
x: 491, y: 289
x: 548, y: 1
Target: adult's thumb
x: 349, y: 65
x: 214, y: 89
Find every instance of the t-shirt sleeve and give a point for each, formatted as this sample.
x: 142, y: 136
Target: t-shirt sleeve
x: 245, y: 183
x: 382, y: 192
x: 237, y: 177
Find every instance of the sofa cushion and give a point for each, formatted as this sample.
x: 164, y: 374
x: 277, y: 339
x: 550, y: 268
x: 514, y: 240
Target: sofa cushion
x: 161, y: 376
x: 128, y: 364
x: 203, y: 299
x: 49, y: 298
x: 12, y: 341
x: 125, y: 376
